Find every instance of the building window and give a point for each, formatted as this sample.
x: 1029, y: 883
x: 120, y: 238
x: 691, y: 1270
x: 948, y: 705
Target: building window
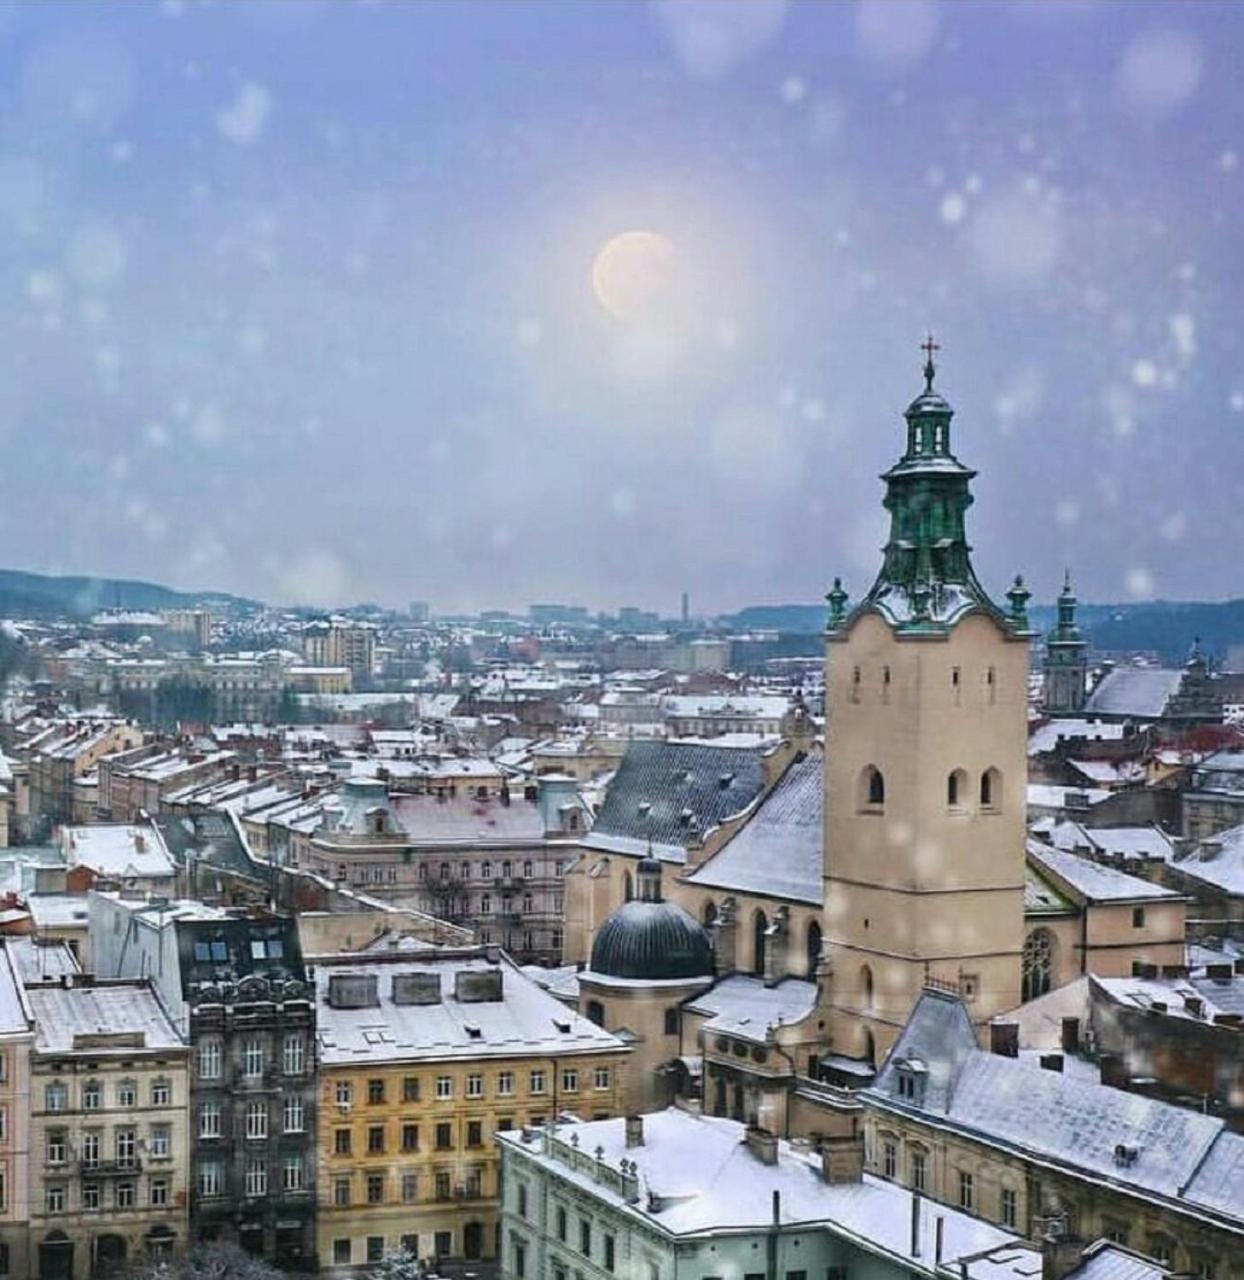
x: 560, y: 1220
x: 444, y: 1087
x: 209, y: 1060
x: 292, y: 1113
x: 443, y: 1188
x: 90, y: 1149
x: 252, y: 1058
x: 375, y: 1093
x: 520, y: 1259
x: 292, y: 1173
x: 210, y: 1177
x: 209, y: 1120
x: 871, y: 789
x: 375, y: 1248
x: 341, y: 1192
x: 56, y: 1097
x: 965, y: 1190
x: 956, y: 788
x: 125, y: 1195
x: 1138, y: 917
x: 375, y: 1188
x: 671, y: 1021
x: 1008, y: 1207
x: 585, y: 1237
x: 92, y: 1096
x: 889, y: 1159
x: 55, y: 1198
x: 341, y: 1252
x: 444, y: 1137
x: 1038, y: 963
x: 159, y: 1193
x: 161, y: 1093
x: 91, y: 1198
x: 570, y: 1081
x: 375, y: 1140
x: 292, y: 1055
x: 410, y: 1089
x: 55, y: 1147
x: 410, y: 1188
x: 256, y: 1119
x: 600, y: 1078
x: 125, y: 1146
x: 475, y: 1133
x: 919, y: 1171
x: 607, y: 1247
x: 475, y: 1086
x: 159, y: 1142
x: 345, y: 1093
x: 410, y: 1137
x: 991, y: 791
x: 505, y: 1084
x: 537, y: 1081
x: 341, y: 1142
x: 127, y: 1094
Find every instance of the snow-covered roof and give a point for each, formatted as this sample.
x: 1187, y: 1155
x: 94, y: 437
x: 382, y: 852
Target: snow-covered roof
x: 1046, y: 737
x: 1217, y: 862
x: 63, y: 1014
x: 1091, y: 880
x: 118, y: 850
x: 744, y: 1006
x: 526, y: 1020
x: 727, y: 1187
x: 1127, y: 843
x: 1140, y: 692
x: 778, y: 851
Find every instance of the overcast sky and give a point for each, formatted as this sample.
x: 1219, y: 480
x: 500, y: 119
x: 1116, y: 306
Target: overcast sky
x: 305, y: 300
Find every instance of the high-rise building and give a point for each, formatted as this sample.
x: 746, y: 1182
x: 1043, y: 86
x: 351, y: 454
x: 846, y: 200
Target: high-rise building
x: 926, y: 696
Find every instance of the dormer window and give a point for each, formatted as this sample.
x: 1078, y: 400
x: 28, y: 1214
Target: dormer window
x: 912, y: 1074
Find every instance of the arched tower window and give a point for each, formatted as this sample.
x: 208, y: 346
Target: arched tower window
x: 813, y: 948
x: 709, y: 914
x: 866, y: 986
x: 957, y: 789
x: 595, y: 1012
x: 760, y: 925
x: 991, y: 790
x: 628, y: 887
x: 871, y: 788
x: 1038, y: 963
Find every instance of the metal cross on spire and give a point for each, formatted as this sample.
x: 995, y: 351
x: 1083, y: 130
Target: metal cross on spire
x: 928, y: 346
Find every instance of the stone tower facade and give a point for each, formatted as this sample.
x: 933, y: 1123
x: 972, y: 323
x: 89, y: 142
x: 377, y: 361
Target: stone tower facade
x: 1066, y: 659
x: 926, y: 763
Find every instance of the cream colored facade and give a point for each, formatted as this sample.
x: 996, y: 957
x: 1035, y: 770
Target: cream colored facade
x: 16, y: 1041
x: 108, y: 1136
x: 927, y: 881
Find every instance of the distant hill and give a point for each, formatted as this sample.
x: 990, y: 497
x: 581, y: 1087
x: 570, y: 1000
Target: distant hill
x: 1167, y: 627
x: 37, y: 595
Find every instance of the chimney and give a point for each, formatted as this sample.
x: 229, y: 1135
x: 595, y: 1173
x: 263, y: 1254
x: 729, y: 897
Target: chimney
x: 634, y: 1131
x: 1060, y: 1253
x: 915, y: 1224
x: 1071, y: 1035
x: 1052, y: 1061
x: 1219, y: 972
x: 1239, y: 966
x: 1113, y: 1072
x: 762, y: 1144
x: 1004, y: 1039
x: 842, y: 1156
x: 1195, y: 1006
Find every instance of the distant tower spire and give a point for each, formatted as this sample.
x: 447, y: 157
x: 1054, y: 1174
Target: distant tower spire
x: 928, y: 346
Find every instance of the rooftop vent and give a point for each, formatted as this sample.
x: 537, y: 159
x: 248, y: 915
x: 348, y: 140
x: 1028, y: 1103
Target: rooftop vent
x: 416, y: 988
x: 1195, y: 1006
x: 725, y: 780
x: 1125, y: 1156
x: 353, y: 991
x: 478, y: 986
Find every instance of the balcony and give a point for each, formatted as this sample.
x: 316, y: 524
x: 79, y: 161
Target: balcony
x: 110, y: 1168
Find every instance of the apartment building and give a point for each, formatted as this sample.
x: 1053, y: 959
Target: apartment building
x: 424, y: 1056
x: 108, y: 1140
x: 16, y: 1041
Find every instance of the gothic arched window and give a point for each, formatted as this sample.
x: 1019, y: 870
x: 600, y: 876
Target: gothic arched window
x: 1038, y: 963
x: 760, y: 926
x: 871, y: 788
x: 957, y: 789
x: 991, y: 790
x: 709, y: 914
x: 866, y: 986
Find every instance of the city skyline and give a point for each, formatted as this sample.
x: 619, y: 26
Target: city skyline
x: 327, y: 303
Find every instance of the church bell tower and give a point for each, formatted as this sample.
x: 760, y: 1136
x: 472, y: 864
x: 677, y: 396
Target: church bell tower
x: 1066, y: 659
x: 926, y: 685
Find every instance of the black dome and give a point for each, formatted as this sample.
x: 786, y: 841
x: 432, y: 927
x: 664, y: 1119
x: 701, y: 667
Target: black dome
x: 652, y: 940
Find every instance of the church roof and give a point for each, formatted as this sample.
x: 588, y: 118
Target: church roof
x: 664, y: 793
x: 778, y: 851
x: 1101, y: 1132
x: 1141, y: 692
x: 652, y: 941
